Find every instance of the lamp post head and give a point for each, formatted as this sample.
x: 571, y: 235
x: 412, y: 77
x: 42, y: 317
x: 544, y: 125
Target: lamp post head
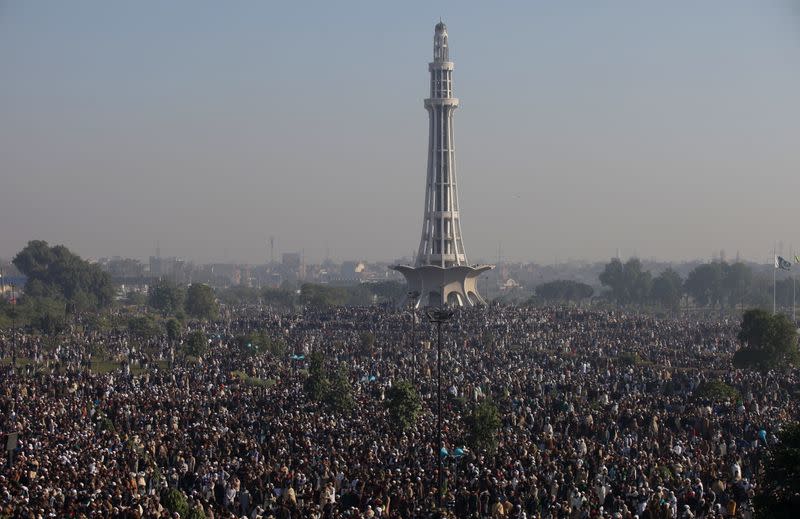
x: 413, y: 299
x: 439, y: 315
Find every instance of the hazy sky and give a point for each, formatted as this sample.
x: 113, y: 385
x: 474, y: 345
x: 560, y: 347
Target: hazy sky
x: 664, y: 129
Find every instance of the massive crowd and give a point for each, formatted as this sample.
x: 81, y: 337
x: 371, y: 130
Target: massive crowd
x: 599, y: 408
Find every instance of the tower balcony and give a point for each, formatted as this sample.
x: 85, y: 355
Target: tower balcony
x: 449, y: 259
x: 440, y: 65
x: 447, y: 215
x: 441, y: 101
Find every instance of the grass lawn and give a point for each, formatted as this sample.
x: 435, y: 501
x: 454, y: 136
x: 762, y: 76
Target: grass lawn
x: 100, y: 365
x: 254, y: 381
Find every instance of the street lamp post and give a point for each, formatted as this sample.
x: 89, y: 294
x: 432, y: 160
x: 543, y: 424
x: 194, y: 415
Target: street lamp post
x: 458, y: 453
x: 13, y: 330
x: 439, y: 316
x: 456, y: 456
x: 412, y: 299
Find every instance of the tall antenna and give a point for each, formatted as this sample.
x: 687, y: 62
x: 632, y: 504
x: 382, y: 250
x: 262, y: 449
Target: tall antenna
x: 271, y: 250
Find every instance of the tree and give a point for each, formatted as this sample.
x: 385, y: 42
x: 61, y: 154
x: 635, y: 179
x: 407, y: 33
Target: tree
x: 770, y: 341
x: 358, y: 295
x: 320, y: 296
x: 738, y: 283
x: 760, y: 293
x: 779, y: 487
x: 404, y: 405
x: 783, y: 292
x: 98, y: 322
x: 564, y: 290
x: 80, y: 302
x: 259, y: 342
x: 638, y: 281
x: 706, y: 284
x: 629, y: 284
x: 143, y: 327
x: 35, y: 260
x: 197, y: 344
x: 6, y: 319
x: 316, y: 385
x: 166, y: 296
x: 201, y: 303
x: 629, y: 358
x: 613, y: 276
x: 175, y: 501
x: 390, y: 291
x: 135, y: 299
x: 755, y: 328
x: 46, y: 314
x: 173, y: 330
x: 481, y: 427
x: 667, y: 289
x: 58, y: 273
x: 340, y: 394
x: 239, y: 294
x: 716, y: 391
x: 279, y: 298
x: 196, y: 513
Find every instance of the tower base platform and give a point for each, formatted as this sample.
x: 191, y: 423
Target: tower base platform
x: 431, y: 285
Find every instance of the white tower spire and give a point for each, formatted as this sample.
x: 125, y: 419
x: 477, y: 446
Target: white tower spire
x: 441, y: 242
x: 441, y: 272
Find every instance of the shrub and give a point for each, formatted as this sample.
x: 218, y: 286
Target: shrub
x: 481, y: 427
x: 629, y: 359
x: 175, y: 501
x: 404, y: 405
x: 716, y: 391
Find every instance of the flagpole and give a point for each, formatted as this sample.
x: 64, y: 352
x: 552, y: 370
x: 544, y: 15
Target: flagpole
x: 774, y: 268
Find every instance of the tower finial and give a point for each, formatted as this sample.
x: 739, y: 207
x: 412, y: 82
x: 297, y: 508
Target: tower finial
x: 440, y: 52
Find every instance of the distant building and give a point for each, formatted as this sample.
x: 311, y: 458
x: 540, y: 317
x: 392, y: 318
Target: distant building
x: 155, y: 267
x: 172, y: 268
x: 122, y: 268
x: 352, y: 269
x: 291, y: 260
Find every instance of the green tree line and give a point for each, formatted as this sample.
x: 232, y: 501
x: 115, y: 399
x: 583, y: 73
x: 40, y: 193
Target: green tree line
x: 59, y: 285
x: 715, y: 285
x: 315, y: 295
x: 198, y: 301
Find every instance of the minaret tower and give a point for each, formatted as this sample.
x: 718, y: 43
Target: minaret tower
x: 441, y: 242
x: 441, y: 274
